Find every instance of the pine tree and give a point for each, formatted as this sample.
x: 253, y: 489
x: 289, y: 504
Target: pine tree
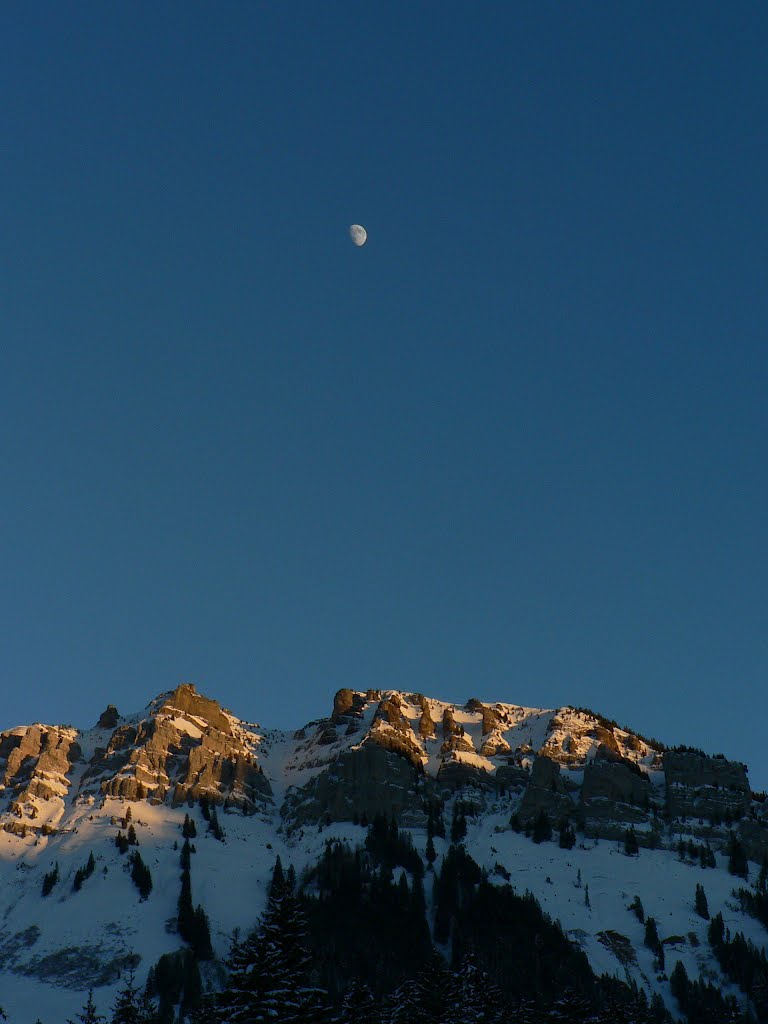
x: 636, y: 907
x: 270, y: 972
x: 567, y: 837
x: 191, y: 987
x: 50, y: 879
x: 430, y: 853
x: 700, y: 902
x: 277, y: 882
x: 213, y: 825
x: 239, y: 1002
x: 653, y: 942
x: 126, y: 1009
x: 542, y: 829
x: 433, y: 991
x: 205, y: 1011
x: 88, y: 1014
x: 737, y: 858
x: 201, y: 935
x: 140, y: 875
x: 148, y: 1013
x: 458, y: 825
x: 631, y: 847
x: 186, y: 912
x: 401, y: 1005
x: 762, y: 878
x: 358, y: 1006
x: 476, y: 999
x: 679, y: 984
x: 651, y: 934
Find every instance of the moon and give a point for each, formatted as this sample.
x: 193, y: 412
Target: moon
x: 358, y: 234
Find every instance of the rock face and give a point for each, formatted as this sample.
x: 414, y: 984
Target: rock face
x: 392, y: 731
x: 186, y: 699
x: 614, y: 779
x: 359, y: 785
x: 109, y: 717
x: 704, y: 787
x: 382, y: 753
x: 454, y: 737
x: 546, y: 792
x: 427, y: 727
x: 187, y: 749
x: 34, y: 769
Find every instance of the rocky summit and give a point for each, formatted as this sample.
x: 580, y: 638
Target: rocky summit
x: 628, y: 811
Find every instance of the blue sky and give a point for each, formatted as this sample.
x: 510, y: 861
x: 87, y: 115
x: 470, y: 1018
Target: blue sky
x: 514, y: 448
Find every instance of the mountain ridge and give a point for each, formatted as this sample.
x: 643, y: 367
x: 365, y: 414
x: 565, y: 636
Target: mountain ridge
x: 65, y: 793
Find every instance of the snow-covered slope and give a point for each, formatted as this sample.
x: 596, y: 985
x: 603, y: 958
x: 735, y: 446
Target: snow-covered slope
x: 66, y: 793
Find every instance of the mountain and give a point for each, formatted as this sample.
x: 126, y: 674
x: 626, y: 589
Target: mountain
x: 631, y: 823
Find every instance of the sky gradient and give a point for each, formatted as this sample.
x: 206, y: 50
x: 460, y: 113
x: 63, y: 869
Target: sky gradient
x: 513, y: 448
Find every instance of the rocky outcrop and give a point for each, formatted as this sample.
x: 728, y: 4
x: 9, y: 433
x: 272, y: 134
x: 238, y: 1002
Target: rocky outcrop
x: 511, y: 777
x: 343, y: 702
x: 613, y: 778
x: 455, y: 774
x: 454, y: 737
x: 392, y: 731
x: 185, y: 698
x: 37, y: 761
x: 753, y: 836
x: 492, y: 720
x: 427, y: 725
x: 546, y: 792
x: 359, y: 785
x: 494, y: 744
x: 180, y: 751
x: 704, y: 787
x: 109, y: 717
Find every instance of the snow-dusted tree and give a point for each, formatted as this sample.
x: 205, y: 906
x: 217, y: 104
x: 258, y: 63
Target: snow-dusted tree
x: 237, y: 1004
x: 358, y: 1006
x: 476, y: 999
x: 401, y: 1006
x: 434, y: 991
x: 527, y: 1012
x: 571, y: 1008
x: 270, y: 972
x: 204, y: 1012
x: 148, y: 1013
x: 88, y: 1014
x: 126, y: 1007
